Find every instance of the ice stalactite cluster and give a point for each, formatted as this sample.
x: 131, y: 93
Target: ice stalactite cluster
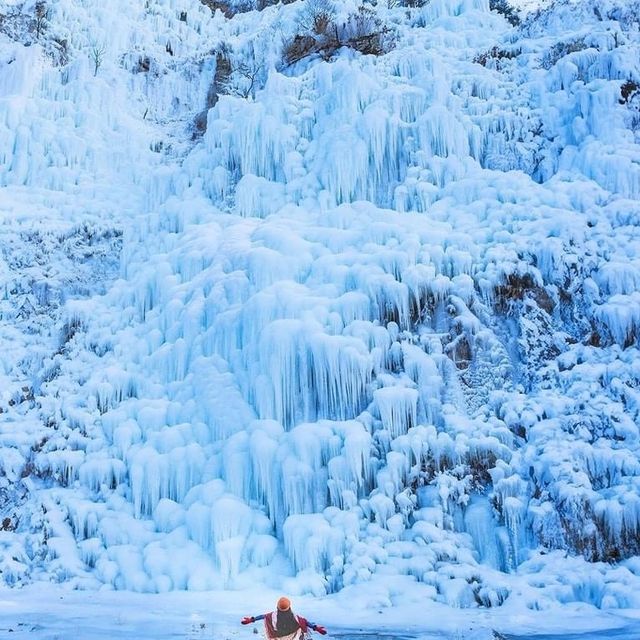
x: 378, y: 327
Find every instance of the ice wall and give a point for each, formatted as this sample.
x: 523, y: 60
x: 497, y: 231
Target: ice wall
x: 380, y: 321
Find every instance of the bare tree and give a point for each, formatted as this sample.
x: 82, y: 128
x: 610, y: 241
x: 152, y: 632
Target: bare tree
x: 243, y: 78
x: 97, y: 54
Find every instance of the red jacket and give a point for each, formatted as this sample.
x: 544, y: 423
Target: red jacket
x: 271, y: 621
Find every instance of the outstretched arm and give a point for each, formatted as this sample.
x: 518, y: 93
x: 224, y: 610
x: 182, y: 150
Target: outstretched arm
x: 250, y: 619
x: 317, y: 627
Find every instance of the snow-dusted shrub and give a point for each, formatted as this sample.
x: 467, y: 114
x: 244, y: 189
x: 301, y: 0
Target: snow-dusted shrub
x: 219, y: 5
x: 317, y: 16
x: 263, y: 4
x: 41, y: 16
x: 497, y: 54
x: 560, y: 50
x: 58, y: 51
x: 69, y: 329
x: 299, y: 47
x: 321, y: 34
x: 24, y: 24
x: 504, y: 8
x: 143, y: 65
x: 365, y: 32
x: 626, y: 13
x: 17, y: 25
x: 630, y: 97
x: 594, y: 536
x: 229, y: 8
x: 316, y: 32
x: 8, y: 524
x: 236, y: 75
x: 516, y: 287
x: 409, y: 4
x: 628, y: 91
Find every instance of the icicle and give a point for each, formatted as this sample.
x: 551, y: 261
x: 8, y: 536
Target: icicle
x: 398, y: 409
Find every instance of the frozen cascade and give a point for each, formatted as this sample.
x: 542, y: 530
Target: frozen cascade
x: 380, y: 321
x: 480, y: 523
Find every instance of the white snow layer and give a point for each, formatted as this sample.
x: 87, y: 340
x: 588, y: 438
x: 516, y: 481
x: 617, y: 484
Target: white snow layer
x: 378, y: 329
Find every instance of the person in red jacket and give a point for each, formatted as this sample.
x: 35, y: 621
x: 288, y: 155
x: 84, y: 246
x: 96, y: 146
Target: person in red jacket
x: 283, y: 624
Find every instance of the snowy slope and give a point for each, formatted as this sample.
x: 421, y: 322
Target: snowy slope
x: 375, y: 331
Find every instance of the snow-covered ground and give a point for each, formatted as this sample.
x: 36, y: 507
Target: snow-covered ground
x: 353, y: 324
x: 54, y: 613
